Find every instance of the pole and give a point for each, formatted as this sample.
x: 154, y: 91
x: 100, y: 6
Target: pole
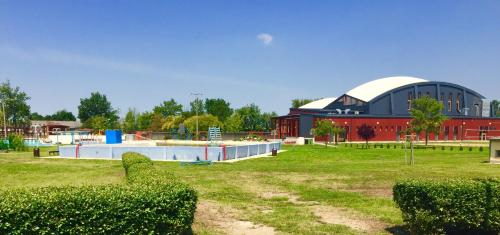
x: 197, y: 133
x: 4, y: 120
x: 197, y: 107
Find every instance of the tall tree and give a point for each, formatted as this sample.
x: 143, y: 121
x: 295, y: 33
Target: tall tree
x: 17, y: 111
x: 167, y: 108
x: 144, y: 120
x: 251, y: 117
x: 97, y: 105
x: 172, y: 122
x: 204, y: 122
x: 233, y: 123
x: 61, y: 115
x: 219, y: 108
x: 266, y: 120
x: 299, y: 102
x: 323, y: 128
x: 197, y: 107
x: 98, y: 124
x: 157, y: 121
x: 427, y: 116
x: 129, y: 124
x: 366, y: 132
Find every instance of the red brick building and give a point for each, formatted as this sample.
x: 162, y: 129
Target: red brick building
x: 384, y: 104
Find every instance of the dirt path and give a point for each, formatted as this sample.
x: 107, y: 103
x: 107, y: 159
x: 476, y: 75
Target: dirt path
x: 333, y: 215
x: 209, y: 214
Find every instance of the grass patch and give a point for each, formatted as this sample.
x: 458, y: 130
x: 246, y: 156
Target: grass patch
x: 359, y: 180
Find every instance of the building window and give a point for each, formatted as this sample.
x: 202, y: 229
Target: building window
x: 457, y: 103
x: 428, y: 94
x: 410, y: 99
x: 450, y: 97
x: 419, y: 94
x: 441, y: 98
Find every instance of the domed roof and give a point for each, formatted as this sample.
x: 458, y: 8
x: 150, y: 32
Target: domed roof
x: 318, y: 104
x: 367, y: 91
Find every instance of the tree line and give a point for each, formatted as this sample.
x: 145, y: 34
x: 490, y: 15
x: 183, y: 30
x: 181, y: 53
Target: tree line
x: 97, y: 113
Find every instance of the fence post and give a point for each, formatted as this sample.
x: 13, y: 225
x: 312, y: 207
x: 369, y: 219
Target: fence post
x: 224, y: 151
x: 77, y: 150
x: 206, y: 152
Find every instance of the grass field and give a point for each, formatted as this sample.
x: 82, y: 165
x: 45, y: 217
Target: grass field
x: 305, y: 190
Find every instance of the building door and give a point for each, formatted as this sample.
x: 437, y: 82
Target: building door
x: 455, y: 132
x: 446, y: 133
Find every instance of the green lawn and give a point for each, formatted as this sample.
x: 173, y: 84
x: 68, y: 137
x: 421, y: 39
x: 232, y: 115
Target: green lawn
x: 285, y: 192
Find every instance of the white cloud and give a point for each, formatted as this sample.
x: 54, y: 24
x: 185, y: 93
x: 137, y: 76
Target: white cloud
x: 265, y: 38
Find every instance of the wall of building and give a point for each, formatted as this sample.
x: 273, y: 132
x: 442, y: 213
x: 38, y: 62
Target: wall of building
x: 392, y: 129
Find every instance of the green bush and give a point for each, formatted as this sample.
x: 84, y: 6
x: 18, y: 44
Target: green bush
x: 119, y: 209
x: 131, y: 158
x: 4, y: 145
x: 452, y: 207
x: 150, y: 203
x: 17, y: 142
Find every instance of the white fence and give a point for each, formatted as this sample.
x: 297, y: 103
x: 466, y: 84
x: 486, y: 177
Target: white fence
x: 168, y: 153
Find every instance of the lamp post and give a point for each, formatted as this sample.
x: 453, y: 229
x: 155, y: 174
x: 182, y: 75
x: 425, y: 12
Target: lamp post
x: 197, y: 95
x: 4, y: 120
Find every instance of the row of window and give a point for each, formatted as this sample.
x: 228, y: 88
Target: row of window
x: 441, y: 99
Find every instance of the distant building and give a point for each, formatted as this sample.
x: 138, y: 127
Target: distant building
x: 385, y: 105
x: 50, y: 127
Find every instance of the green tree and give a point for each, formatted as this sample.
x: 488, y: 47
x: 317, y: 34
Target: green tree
x: 323, y: 128
x: 204, y: 122
x: 167, y: 108
x: 265, y: 121
x: 495, y: 108
x: 144, y: 121
x: 157, y: 121
x: 299, y: 102
x: 17, y: 111
x: 98, y: 124
x: 61, y: 115
x: 197, y: 107
x: 35, y: 117
x: 427, y: 116
x: 233, y: 123
x: 129, y: 124
x: 172, y: 122
x: 251, y: 117
x: 97, y: 105
x: 219, y: 108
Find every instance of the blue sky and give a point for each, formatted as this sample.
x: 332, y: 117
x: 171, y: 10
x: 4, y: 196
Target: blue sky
x: 266, y: 52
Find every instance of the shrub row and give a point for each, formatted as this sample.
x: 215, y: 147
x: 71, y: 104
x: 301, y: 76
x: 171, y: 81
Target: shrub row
x: 132, y: 158
x: 139, y: 207
x: 451, y: 207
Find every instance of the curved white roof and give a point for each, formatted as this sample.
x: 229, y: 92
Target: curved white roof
x: 318, y: 104
x: 367, y: 91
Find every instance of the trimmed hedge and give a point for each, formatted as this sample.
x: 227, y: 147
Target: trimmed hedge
x: 131, y: 158
x: 452, y: 207
x: 148, y: 204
